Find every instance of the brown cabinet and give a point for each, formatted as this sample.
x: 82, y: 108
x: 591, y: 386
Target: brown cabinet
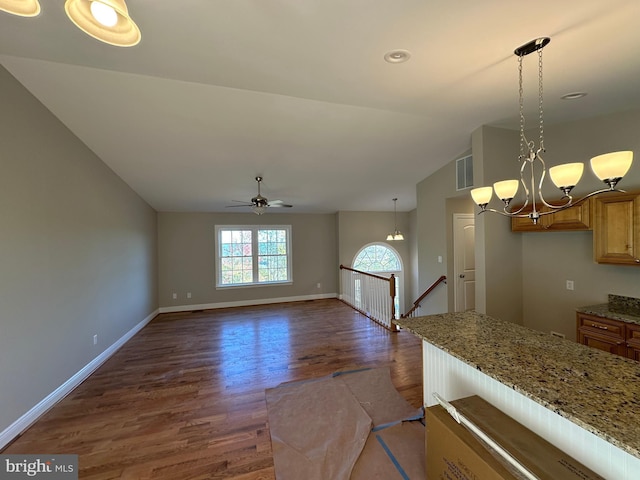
x: 616, y: 237
x: 633, y: 341
x: 613, y: 336
x: 577, y: 217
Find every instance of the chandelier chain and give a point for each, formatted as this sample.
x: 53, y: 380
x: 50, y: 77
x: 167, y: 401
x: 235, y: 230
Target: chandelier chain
x: 521, y: 105
x: 540, y: 100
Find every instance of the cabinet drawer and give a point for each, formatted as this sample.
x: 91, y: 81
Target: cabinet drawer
x: 633, y: 334
x: 603, y: 325
x: 608, y: 343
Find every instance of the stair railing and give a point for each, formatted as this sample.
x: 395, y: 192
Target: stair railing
x: 372, y: 295
x: 416, y: 305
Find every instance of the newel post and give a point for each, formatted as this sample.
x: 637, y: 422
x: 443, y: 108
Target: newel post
x: 392, y: 292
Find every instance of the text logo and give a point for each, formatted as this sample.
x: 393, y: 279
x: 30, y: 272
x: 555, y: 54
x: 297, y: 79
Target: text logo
x: 49, y: 467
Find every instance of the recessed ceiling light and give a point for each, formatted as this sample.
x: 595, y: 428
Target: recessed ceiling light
x: 397, y: 56
x: 573, y: 96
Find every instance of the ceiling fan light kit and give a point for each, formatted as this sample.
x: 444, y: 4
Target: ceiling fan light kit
x: 22, y: 8
x: 609, y: 168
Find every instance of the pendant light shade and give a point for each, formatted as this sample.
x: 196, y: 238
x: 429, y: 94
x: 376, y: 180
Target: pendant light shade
x: 105, y: 20
x: 567, y: 175
x: 612, y: 166
x: 482, y: 195
x: 506, y: 189
x: 23, y: 8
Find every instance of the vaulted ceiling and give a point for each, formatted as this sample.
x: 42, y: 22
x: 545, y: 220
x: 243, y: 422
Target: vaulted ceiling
x: 298, y: 91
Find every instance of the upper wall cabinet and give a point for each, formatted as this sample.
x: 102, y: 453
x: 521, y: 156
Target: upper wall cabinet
x: 577, y: 217
x: 616, y: 233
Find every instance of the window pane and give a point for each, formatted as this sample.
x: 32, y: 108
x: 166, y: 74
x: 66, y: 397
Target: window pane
x: 272, y: 259
x: 377, y: 258
x: 235, y: 256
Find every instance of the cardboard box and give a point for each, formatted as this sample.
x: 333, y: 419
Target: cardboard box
x: 453, y: 452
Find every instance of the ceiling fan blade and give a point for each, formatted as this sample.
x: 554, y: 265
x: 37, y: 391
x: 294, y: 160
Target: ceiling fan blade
x: 243, y: 205
x: 278, y: 203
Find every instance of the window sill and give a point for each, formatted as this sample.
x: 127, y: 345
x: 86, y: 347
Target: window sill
x: 253, y: 285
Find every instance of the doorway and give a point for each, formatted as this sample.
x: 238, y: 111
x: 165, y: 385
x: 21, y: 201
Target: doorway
x: 464, y: 261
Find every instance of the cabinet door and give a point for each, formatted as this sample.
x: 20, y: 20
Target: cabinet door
x: 577, y: 217
x: 633, y: 341
x: 602, y: 342
x: 602, y: 333
x: 617, y: 229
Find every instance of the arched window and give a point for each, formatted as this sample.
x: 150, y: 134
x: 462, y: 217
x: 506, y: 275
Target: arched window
x: 377, y: 258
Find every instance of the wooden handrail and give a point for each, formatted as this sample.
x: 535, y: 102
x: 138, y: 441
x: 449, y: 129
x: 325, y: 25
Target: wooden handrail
x: 416, y: 304
x: 342, y: 267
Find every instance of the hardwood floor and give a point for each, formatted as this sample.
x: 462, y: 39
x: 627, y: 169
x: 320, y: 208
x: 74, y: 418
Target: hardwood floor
x: 184, y: 399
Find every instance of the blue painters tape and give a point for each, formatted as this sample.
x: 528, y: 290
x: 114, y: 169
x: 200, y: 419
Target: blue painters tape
x: 337, y: 374
x: 418, y: 416
x: 393, y: 459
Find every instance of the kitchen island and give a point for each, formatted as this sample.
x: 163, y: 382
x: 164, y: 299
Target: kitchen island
x: 584, y: 401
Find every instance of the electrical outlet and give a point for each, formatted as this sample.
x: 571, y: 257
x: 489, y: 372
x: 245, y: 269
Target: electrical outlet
x: 319, y: 285
x: 569, y: 284
x: 188, y: 294
x: 175, y: 296
x: 95, y: 339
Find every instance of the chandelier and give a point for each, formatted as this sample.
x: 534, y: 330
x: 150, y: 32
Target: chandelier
x: 105, y: 20
x: 396, y: 235
x: 609, y: 168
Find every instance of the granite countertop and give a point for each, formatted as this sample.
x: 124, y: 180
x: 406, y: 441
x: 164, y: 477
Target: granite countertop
x: 594, y: 389
x: 604, y: 310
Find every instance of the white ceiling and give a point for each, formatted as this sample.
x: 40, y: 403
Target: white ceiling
x: 297, y: 91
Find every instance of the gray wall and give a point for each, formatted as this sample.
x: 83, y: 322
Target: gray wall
x: 498, y: 251
x: 78, y: 254
x: 187, y: 257
x: 437, y: 201
x: 358, y: 229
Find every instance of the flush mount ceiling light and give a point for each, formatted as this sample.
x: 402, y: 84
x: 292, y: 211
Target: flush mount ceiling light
x: 397, y: 56
x: 23, y: 8
x: 610, y: 168
x: 105, y: 20
x: 396, y: 235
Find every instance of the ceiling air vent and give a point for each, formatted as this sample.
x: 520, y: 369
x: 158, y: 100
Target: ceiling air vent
x: 464, y: 172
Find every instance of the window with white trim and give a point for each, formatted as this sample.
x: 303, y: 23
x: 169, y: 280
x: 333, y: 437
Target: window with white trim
x: 253, y: 255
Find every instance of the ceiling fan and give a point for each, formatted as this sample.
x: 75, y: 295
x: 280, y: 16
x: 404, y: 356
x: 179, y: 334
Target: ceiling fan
x: 259, y: 203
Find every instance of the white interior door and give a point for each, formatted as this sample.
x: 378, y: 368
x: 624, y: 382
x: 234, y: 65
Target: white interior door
x: 464, y: 261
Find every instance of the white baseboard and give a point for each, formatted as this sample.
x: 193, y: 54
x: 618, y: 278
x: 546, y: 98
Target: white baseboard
x: 26, y: 420
x: 244, y: 303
